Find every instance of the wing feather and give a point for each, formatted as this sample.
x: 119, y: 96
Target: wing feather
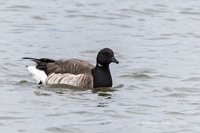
x: 73, y: 66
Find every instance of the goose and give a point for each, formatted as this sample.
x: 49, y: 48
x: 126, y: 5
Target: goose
x: 74, y: 72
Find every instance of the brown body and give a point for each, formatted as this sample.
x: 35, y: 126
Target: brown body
x: 73, y: 72
x: 72, y: 66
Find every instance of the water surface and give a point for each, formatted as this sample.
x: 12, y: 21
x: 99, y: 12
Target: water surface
x: 156, y: 85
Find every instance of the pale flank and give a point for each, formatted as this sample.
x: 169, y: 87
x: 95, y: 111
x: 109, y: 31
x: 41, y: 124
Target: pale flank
x: 39, y: 75
x: 80, y: 80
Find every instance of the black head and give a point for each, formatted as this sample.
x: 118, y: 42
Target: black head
x: 105, y: 57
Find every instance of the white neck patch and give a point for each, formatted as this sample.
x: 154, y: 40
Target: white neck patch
x: 99, y: 65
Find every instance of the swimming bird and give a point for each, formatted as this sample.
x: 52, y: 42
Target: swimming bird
x: 75, y: 72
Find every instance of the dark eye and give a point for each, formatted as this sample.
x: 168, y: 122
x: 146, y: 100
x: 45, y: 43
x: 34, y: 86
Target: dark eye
x: 106, y: 54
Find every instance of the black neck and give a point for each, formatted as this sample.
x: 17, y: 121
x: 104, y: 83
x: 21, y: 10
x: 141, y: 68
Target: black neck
x: 102, y: 76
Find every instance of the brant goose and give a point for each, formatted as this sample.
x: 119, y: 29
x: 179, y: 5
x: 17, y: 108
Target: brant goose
x: 75, y: 72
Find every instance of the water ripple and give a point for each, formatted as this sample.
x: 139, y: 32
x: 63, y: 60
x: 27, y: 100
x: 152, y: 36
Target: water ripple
x: 177, y: 95
x: 11, y: 118
x: 189, y: 13
x: 157, y: 79
x: 136, y: 76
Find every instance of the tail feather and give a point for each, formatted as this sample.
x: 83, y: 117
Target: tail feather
x: 40, y: 60
x: 41, y: 63
x: 39, y: 75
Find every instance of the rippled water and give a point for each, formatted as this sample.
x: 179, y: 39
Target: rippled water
x: 156, y: 85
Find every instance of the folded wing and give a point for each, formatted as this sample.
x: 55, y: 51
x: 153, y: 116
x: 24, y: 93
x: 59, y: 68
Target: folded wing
x: 72, y: 66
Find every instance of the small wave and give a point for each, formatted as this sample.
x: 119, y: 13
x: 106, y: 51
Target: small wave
x: 189, y: 13
x: 175, y: 113
x: 41, y: 93
x: 55, y: 129
x: 118, y: 86
x: 189, y: 90
x: 160, y: 5
x: 89, y: 51
x: 136, y: 76
x: 121, y: 26
x: 104, y: 95
x: 20, y: 6
x: 103, y: 89
x: 147, y: 105
x: 39, y: 18
x: 65, y: 129
x: 177, y: 95
x: 155, y: 10
x: 171, y: 19
x: 118, y: 15
x: 11, y: 118
x: 167, y: 89
x: 159, y: 38
x: 133, y: 11
x: 24, y: 82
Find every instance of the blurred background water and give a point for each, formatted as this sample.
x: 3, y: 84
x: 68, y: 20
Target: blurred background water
x: 156, y: 85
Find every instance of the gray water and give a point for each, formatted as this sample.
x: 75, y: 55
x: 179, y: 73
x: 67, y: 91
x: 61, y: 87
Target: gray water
x: 156, y: 85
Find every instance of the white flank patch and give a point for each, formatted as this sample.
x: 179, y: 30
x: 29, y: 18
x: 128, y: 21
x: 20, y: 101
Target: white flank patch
x: 39, y: 75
